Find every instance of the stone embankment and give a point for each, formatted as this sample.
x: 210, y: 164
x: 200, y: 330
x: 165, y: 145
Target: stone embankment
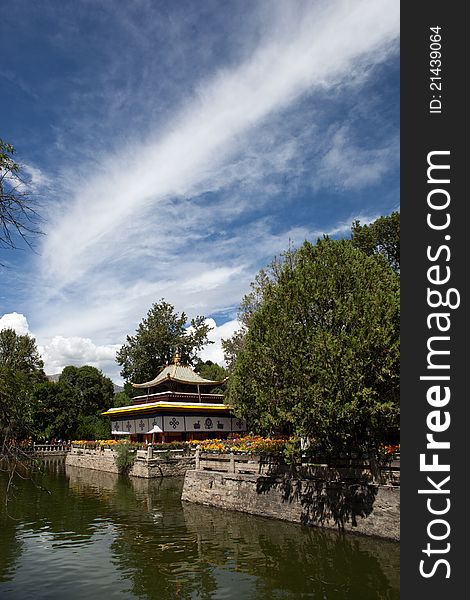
x: 147, y: 464
x: 327, y: 499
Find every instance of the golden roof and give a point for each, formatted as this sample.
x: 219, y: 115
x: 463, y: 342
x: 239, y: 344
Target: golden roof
x: 180, y: 374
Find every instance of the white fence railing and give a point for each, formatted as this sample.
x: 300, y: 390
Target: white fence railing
x: 50, y: 448
x: 148, y: 453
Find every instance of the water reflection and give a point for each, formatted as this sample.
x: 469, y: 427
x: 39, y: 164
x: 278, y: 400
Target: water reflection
x: 134, y: 539
x: 302, y: 560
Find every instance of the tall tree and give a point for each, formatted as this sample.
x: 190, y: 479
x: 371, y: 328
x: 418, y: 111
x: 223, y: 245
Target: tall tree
x: 72, y: 407
x: 20, y: 353
x: 232, y: 347
x: 17, y: 215
x: 158, y: 337
x: 15, y: 408
x: 321, y: 352
x: 21, y: 367
x: 211, y: 370
x: 55, y: 411
x: 95, y: 391
x: 250, y: 303
x: 381, y: 237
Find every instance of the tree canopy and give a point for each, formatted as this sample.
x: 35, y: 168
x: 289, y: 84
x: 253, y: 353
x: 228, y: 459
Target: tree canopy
x: 211, y: 370
x: 55, y: 411
x: 382, y: 237
x: 72, y: 407
x: 20, y: 353
x: 33, y: 407
x: 161, y: 334
x: 95, y: 391
x: 15, y: 408
x: 21, y: 368
x: 320, y: 356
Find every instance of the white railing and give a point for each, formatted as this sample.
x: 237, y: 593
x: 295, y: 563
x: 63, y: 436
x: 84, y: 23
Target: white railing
x: 148, y: 453
x: 50, y: 448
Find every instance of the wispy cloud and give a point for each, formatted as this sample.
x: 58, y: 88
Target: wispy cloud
x: 180, y: 167
x: 134, y: 186
x: 347, y: 166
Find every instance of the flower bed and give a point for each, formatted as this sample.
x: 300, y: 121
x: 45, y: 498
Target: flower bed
x: 247, y: 444
x: 280, y: 446
x: 390, y: 451
x: 100, y: 444
x: 97, y: 444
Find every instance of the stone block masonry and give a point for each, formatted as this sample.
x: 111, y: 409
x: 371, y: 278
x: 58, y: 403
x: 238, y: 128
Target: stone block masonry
x: 155, y: 467
x: 355, y: 507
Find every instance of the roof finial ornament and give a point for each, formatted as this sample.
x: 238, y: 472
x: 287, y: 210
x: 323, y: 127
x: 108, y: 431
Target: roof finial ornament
x: 177, y: 358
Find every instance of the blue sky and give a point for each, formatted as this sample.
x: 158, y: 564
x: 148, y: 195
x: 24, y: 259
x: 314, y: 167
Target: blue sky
x: 174, y: 148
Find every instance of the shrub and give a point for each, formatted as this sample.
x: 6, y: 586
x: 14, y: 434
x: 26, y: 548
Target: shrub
x: 125, y: 457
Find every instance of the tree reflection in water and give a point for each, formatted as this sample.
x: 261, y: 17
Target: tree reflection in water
x: 163, y: 549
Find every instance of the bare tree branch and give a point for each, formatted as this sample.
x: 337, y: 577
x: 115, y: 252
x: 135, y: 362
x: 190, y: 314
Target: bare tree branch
x: 18, y: 218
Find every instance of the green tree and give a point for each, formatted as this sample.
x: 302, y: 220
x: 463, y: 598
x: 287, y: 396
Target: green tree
x: 20, y: 353
x: 321, y: 352
x: 55, y: 411
x: 124, y: 398
x: 94, y: 391
x: 92, y: 427
x: 249, y: 305
x: 71, y: 408
x: 158, y: 337
x: 21, y: 368
x: 15, y: 408
x: 211, y: 370
x: 381, y: 237
x: 17, y: 215
x: 232, y: 347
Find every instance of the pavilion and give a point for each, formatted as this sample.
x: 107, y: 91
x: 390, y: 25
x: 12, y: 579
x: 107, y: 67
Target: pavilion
x: 176, y: 407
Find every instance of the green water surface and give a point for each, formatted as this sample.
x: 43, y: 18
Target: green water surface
x: 75, y: 533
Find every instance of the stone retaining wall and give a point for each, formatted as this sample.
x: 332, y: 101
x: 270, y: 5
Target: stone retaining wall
x: 156, y: 467
x: 354, y: 507
x: 257, y: 464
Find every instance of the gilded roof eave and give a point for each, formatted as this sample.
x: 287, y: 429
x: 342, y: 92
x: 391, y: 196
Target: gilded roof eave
x: 162, y: 406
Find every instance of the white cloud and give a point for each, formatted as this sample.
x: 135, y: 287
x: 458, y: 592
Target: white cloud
x: 225, y: 331
x: 63, y: 351
x: 29, y: 180
x: 138, y: 225
x: 36, y: 179
x: 15, y: 321
x: 309, y: 47
x: 346, y: 166
x: 209, y: 280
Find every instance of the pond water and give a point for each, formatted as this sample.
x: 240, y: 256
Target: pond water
x: 80, y: 534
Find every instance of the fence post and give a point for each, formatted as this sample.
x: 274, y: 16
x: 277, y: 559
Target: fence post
x: 197, y: 458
